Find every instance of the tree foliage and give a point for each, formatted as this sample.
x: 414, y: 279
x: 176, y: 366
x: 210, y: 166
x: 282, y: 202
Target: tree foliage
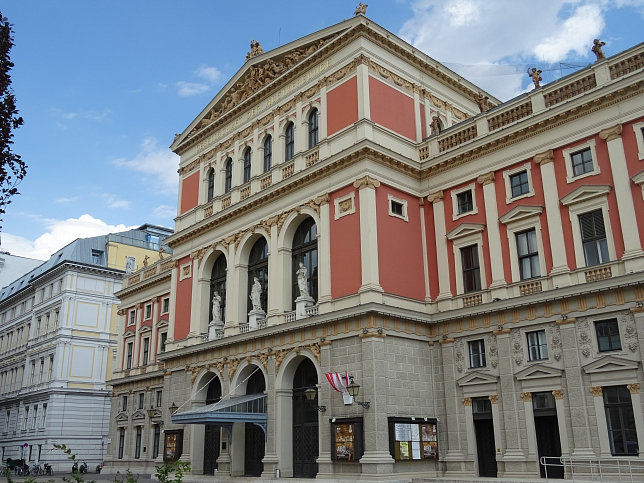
x: 12, y: 168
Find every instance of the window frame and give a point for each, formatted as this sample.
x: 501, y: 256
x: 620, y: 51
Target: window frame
x: 456, y: 214
x: 289, y: 141
x: 129, y: 354
x: 465, y: 235
x: 313, y: 127
x: 622, y: 407
x: 165, y: 305
x: 568, y: 154
x: 427, y: 439
x: 147, y: 312
x: 210, y: 190
x: 477, y: 357
x: 391, y: 199
x: 638, y: 129
x: 228, y: 175
x: 597, y: 243
x: 247, y: 165
x: 268, y: 153
x: 507, y: 177
x: 530, y: 255
x: 540, y: 348
x: 131, y: 317
x: 614, y: 324
x: 475, y: 269
x: 145, y: 352
x: 137, y: 442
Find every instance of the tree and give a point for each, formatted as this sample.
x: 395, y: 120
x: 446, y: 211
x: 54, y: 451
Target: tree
x: 12, y: 168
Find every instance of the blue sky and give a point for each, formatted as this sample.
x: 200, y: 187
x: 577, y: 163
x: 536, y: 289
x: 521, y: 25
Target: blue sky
x: 104, y: 85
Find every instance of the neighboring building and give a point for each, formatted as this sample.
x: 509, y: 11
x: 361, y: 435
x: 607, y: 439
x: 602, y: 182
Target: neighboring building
x: 345, y: 206
x: 13, y: 267
x: 58, y: 343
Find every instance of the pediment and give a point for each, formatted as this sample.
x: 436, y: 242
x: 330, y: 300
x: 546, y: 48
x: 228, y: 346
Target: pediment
x: 121, y: 417
x: 138, y: 414
x: 474, y: 378
x: 538, y: 371
x: 163, y: 322
x: 521, y: 212
x: 584, y: 193
x: 145, y: 328
x: 465, y: 229
x: 157, y: 414
x: 129, y: 331
x: 610, y: 364
x: 638, y: 178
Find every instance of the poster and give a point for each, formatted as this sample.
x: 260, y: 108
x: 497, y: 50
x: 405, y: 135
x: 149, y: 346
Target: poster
x: 415, y: 450
x: 429, y: 432
x: 430, y: 451
x: 415, y: 432
x: 404, y: 450
x: 344, y: 449
x: 403, y: 432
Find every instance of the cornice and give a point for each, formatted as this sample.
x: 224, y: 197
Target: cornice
x: 140, y: 286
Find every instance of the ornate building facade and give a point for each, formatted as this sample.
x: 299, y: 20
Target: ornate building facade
x: 58, y: 329
x: 347, y: 204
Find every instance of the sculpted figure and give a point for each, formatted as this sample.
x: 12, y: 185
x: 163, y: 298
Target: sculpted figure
x: 145, y: 261
x: 481, y: 101
x: 361, y: 9
x: 597, y: 49
x: 161, y: 253
x: 436, y: 125
x: 216, y: 307
x: 301, y: 280
x: 256, y: 295
x: 536, y: 77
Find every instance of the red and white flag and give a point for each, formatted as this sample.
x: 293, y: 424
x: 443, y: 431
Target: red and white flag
x: 338, y: 381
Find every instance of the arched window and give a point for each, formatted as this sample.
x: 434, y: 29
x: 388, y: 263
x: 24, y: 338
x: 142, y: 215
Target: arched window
x: 211, y: 184
x: 268, y: 153
x: 305, y: 251
x: 247, y: 165
x: 229, y: 175
x: 289, y: 142
x: 258, y: 268
x: 313, y: 128
x: 214, y: 391
x: 218, y: 284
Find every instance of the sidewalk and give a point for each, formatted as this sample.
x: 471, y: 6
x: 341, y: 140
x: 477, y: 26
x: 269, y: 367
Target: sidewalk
x: 88, y: 477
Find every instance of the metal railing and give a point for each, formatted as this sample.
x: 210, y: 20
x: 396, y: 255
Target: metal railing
x: 594, y: 469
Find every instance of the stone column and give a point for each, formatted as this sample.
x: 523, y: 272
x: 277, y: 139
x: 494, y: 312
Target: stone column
x: 456, y: 451
x: 561, y: 421
x: 174, y: 277
x: 469, y: 428
x: 370, y: 289
x: 600, y: 415
x: 376, y: 460
x: 526, y: 397
x: 560, y: 270
x: 633, y: 256
x: 152, y: 357
x: 325, y: 463
x: 364, y: 106
x: 493, y: 234
x: 137, y: 355
x: 271, y: 459
x: 324, y: 249
x: 440, y: 233
x: 232, y: 316
x: 195, y: 299
x: 498, y: 424
x: 417, y: 120
x: 423, y: 236
x: 275, y: 275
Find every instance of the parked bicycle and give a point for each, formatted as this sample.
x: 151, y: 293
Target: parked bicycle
x: 37, y: 470
x: 48, y: 470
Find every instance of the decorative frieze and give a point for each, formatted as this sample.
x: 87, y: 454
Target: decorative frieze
x: 583, y: 339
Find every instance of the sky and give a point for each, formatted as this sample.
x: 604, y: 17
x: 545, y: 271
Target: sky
x: 103, y: 86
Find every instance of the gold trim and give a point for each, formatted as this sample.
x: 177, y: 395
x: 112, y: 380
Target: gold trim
x: 526, y: 396
x: 467, y: 401
x: 558, y: 393
x: 633, y: 388
x: 596, y: 391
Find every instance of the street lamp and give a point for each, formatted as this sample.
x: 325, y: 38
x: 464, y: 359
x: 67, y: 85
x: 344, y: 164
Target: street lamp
x: 173, y: 408
x: 311, y: 394
x: 354, y: 390
x: 151, y: 412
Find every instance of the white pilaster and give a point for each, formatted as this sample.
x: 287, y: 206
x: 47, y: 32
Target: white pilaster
x: 324, y: 259
x: 440, y: 233
x: 368, y: 234
x: 493, y: 234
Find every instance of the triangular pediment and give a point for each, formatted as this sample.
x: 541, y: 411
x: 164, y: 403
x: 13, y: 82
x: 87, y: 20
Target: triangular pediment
x: 138, y: 414
x: 521, y: 212
x: 465, y: 229
x: 610, y: 364
x: 163, y: 322
x: 538, y: 371
x: 121, y: 417
x: 638, y: 178
x: 584, y: 193
x: 474, y: 378
x: 145, y: 328
x: 129, y: 331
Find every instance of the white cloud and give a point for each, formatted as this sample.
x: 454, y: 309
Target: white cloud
x: 59, y: 234
x: 158, y: 165
x: 210, y: 76
x: 114, y: 202
x: 91, y: 115
x: 187, y: 89
x: 66, y: 199
x: 165, y: 212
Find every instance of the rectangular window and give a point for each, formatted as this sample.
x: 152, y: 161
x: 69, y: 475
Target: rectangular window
x: 582, y: 162
x: 146, y: 350
x: 164, y: 337
x: 396, y: 208
x: 141, y: 400
x: 157, y: 438
x: 412, y: 440
x: 130, y: 349
x: 608, y: 335
x: 477, y: 353
x: 528, y: 254
x: 593, y: 237
x: 148, y: 311
x: 130, y: 264
x: 124, y: 399
x: 24, y: 425
x: 537, y: 345
x: 97, y: 256
x: 42, y: 370
x: 464, y: 201
x: 519, y: 184
x: 347, y: 439
x: 51, y: 368
x: 132, y: 319
x: 44, y: 416
x: 471, y: 268
x: 165, y: 305
x: 137, y: 446
x: 121, y: 442
x: 159, y: 398
x: 620, y: 421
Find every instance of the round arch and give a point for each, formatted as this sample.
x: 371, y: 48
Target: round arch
x: 204, y: 272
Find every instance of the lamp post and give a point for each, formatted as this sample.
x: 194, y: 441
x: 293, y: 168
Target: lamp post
x: 151, y: 412
x: 354, y: 390
x: 311, y: 395
x: 173, y: 408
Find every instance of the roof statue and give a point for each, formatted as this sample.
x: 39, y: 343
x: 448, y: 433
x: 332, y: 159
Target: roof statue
x: 361, y: 9
x: 481, y: 101
x: 535, y: 75
x: 255, y: 49
x: 597, y: 49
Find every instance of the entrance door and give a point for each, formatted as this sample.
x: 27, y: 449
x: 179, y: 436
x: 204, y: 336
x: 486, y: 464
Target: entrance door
x: 484, y: 430
x: 305, y: 423
x: 547, y: 432
x: 254, y: 450
x: 210, y: 449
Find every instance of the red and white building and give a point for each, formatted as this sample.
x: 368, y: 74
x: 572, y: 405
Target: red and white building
x: 479, y: 274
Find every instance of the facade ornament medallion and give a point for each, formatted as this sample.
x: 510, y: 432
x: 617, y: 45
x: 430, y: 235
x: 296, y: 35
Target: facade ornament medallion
x: 558, y: 393
x: 544, y: 158
x: 517, y: 347
x: 555, y: 338
x: 596, y: 391
x: 459, y: 357
x: 467, y: 401
x: 611, y: 133
x: 494, y: 398
x: 366, y: 182
x: 584, y: 339
x: 493, y: 351
x: 633, y: 388
x: 630, y: 333
x: 526, y: 396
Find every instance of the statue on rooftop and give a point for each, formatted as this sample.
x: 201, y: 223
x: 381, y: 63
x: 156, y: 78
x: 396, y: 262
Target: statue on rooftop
x: 145, y: 261
x: 536, y: 76
x: 361, y: 9
x: 435, y: 125
x: 255, y: 49
x: 481, y: 101
x: 597, y: 49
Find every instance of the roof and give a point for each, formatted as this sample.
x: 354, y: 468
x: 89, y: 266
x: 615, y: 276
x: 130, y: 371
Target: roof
x: 250, y: 408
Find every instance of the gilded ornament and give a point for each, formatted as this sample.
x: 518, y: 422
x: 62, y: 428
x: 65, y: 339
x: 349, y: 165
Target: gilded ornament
x: 596, y: 391
x: 558, y: 393
x: 494, y: 398
x: 526, y: 396
x: 467, y: 401
x: 633, y: 388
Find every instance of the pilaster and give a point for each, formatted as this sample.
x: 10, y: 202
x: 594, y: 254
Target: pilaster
x: 324, y: 247
x: 440, y: 233
x: 369, y: 240
x: 493, y: 234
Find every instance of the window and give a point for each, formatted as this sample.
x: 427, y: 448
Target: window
x: 593, y: 237
x: 465, y: 202
x: 519, y: 184
x: 124, y: 403
x: 128, y: 361
x: 51, y: 368
x: 121, y: 442
x: 130, y: 264
x: 218, y: 285
x: 258, y: 268
x: 148, y: 311
x: 289, y: 141
x: 608, y: 335
x: 211, y: 184
x: 620, y: 421
x: 347, y: 439
x: 159, y: 398
x: 528, y: 254
x: 412, y: 440
x: 146, y: 350
x: 397, y: 207
x: 313, y: 128
x: 157, y: 438
x: 24, y: 426
x: 305, y: 251
x: 141, y: 399
x: 582, y: 162
x: 477, y: 353
x: 164, y: 337
x: 97, y: 256
x: 247, y: 165
x: 228, y: 177
x: 638, y: 129
x: 42, y: 370
x: 44, y: 415
x: 537, y: 345
x: 165, y: 305
x: 132, y: 319
x: 268, y: 154
x: 471, y: 268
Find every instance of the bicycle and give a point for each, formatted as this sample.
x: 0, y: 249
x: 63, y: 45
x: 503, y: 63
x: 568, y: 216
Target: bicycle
x: 36, y: 470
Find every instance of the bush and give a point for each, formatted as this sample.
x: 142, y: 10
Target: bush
x: 176, y: 468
